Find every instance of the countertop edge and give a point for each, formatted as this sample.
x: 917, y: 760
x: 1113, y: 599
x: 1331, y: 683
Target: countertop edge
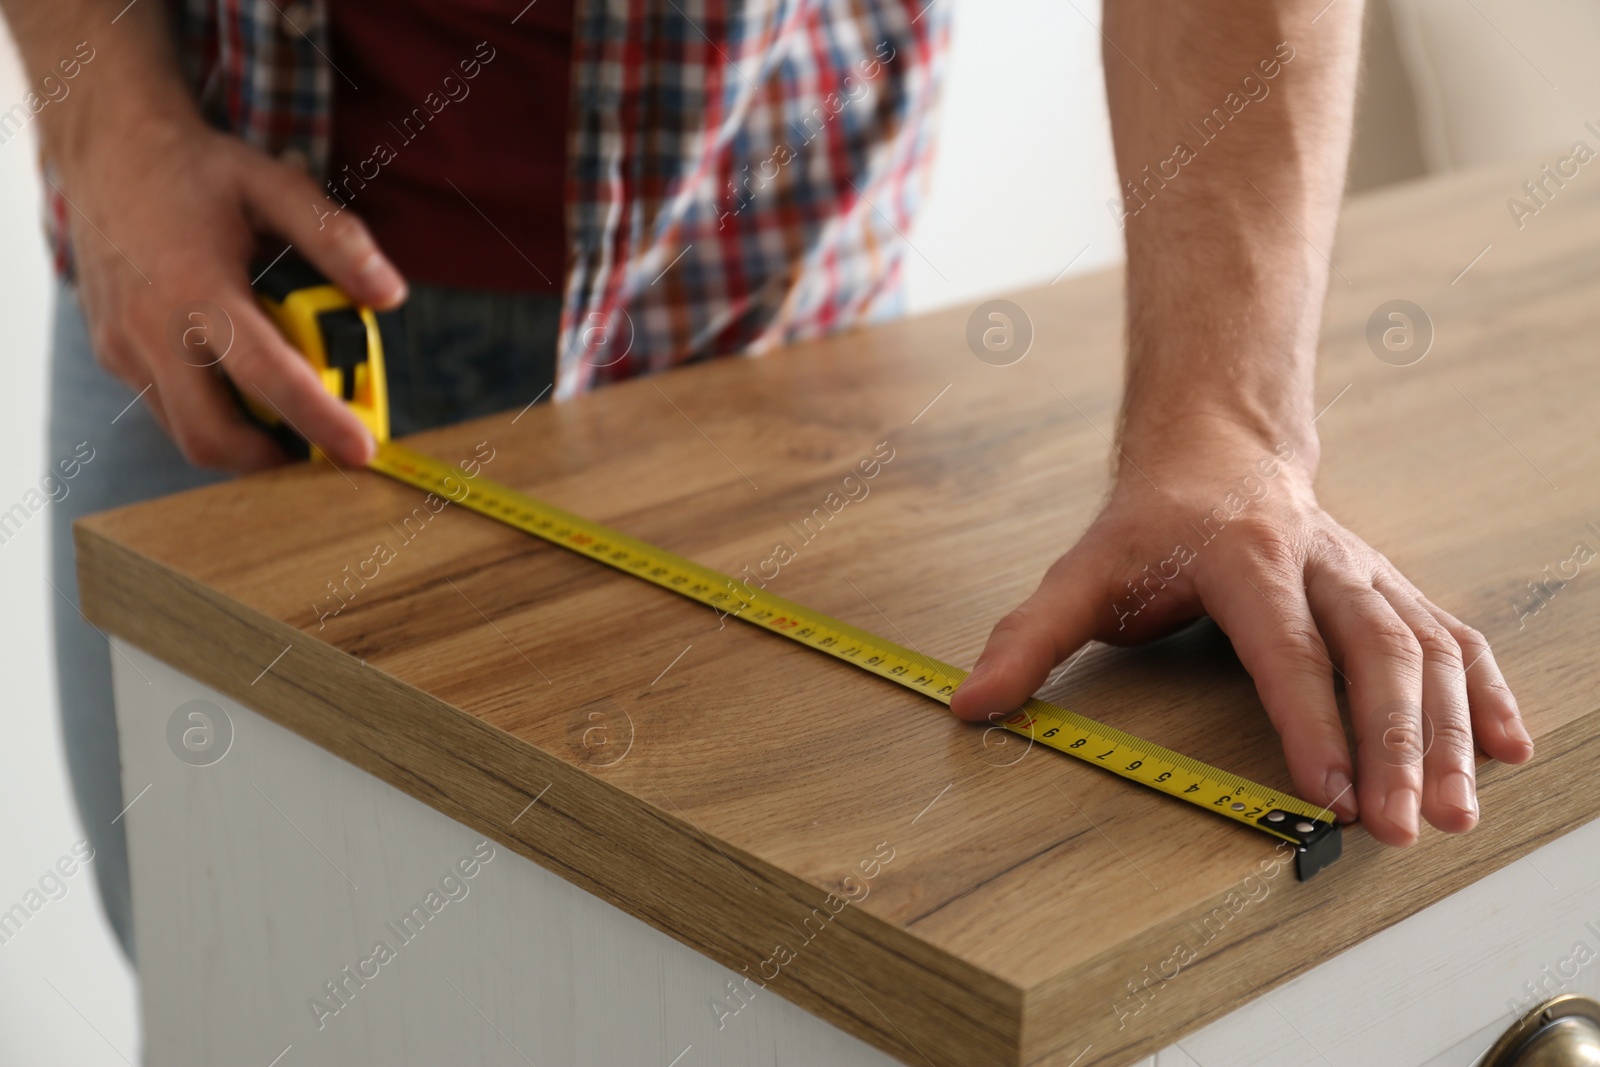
x: 966, y: 1015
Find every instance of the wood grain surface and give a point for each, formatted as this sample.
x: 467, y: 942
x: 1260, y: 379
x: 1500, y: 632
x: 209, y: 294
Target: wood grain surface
x: 721, y: 783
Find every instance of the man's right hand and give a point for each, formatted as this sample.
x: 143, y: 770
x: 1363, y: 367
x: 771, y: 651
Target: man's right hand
x: 168, y: 214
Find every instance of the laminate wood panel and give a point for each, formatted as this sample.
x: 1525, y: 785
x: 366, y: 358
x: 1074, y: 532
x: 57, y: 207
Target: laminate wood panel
x: 720, y: 783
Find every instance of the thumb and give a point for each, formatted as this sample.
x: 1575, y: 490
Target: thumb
x: 291, y: 205
x: 1058, y: 619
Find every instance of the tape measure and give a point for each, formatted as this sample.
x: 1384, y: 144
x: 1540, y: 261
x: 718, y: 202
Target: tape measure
x: 337, y: 337
x: 1312, y: 830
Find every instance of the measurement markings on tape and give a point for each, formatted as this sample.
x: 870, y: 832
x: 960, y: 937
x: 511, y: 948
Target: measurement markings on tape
x: 1311, y: 829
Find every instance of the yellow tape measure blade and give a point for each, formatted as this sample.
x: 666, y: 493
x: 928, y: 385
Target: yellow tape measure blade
x: 1312, y: 830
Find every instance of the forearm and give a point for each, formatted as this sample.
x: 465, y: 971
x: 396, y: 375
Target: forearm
x: 1232, y: 175
x: 127, y: 83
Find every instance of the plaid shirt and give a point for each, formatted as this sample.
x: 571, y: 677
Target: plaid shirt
x: 740, y: 172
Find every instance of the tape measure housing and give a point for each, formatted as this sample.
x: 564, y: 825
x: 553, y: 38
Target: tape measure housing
x: 338, y: 337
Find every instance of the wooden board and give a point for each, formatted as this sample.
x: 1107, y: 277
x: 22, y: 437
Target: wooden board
x: 736, y: 781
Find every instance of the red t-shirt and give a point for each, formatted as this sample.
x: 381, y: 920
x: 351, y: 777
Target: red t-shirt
x: 449, y: 135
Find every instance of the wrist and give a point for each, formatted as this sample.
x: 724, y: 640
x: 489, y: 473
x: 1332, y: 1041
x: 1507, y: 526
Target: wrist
x: 1208, y: 440
x: 1245, y: 383
x: 110, y: 127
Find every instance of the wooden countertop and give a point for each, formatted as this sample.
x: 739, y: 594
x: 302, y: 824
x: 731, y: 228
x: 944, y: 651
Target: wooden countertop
x: 737, y: 780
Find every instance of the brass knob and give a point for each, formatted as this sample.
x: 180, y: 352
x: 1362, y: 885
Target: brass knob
x: 1564, y: 1031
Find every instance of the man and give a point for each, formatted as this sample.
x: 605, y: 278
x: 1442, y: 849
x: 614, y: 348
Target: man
x: 582, y: 191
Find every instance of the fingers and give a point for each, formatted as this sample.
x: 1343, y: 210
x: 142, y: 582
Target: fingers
x: 1268, y: 619
x: 228, y: 193
x: 1057, y: 620
x: 152, y: 400
x: 188, y: 402
x: 1496, y: 720
x: 266, y: 368
x: 290, y: 204
x: 1383, y: 666
x: 1449, y: 790
x: 202, y: 418
x: 1302, y: 600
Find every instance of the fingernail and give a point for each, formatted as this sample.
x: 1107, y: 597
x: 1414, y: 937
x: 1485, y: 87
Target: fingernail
x: 1338, y: 795
x: 1457, y: 791
x: 380, y: 277
x: 1400, y: 806
x: 1517, y: 732
x: 963, y: 703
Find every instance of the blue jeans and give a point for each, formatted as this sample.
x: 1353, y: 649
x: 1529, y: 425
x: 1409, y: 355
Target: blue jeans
x: 452, y: 354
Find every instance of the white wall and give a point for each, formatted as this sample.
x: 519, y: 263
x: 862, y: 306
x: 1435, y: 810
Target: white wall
x: 1501, y: 79
x: 1024, y: 167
